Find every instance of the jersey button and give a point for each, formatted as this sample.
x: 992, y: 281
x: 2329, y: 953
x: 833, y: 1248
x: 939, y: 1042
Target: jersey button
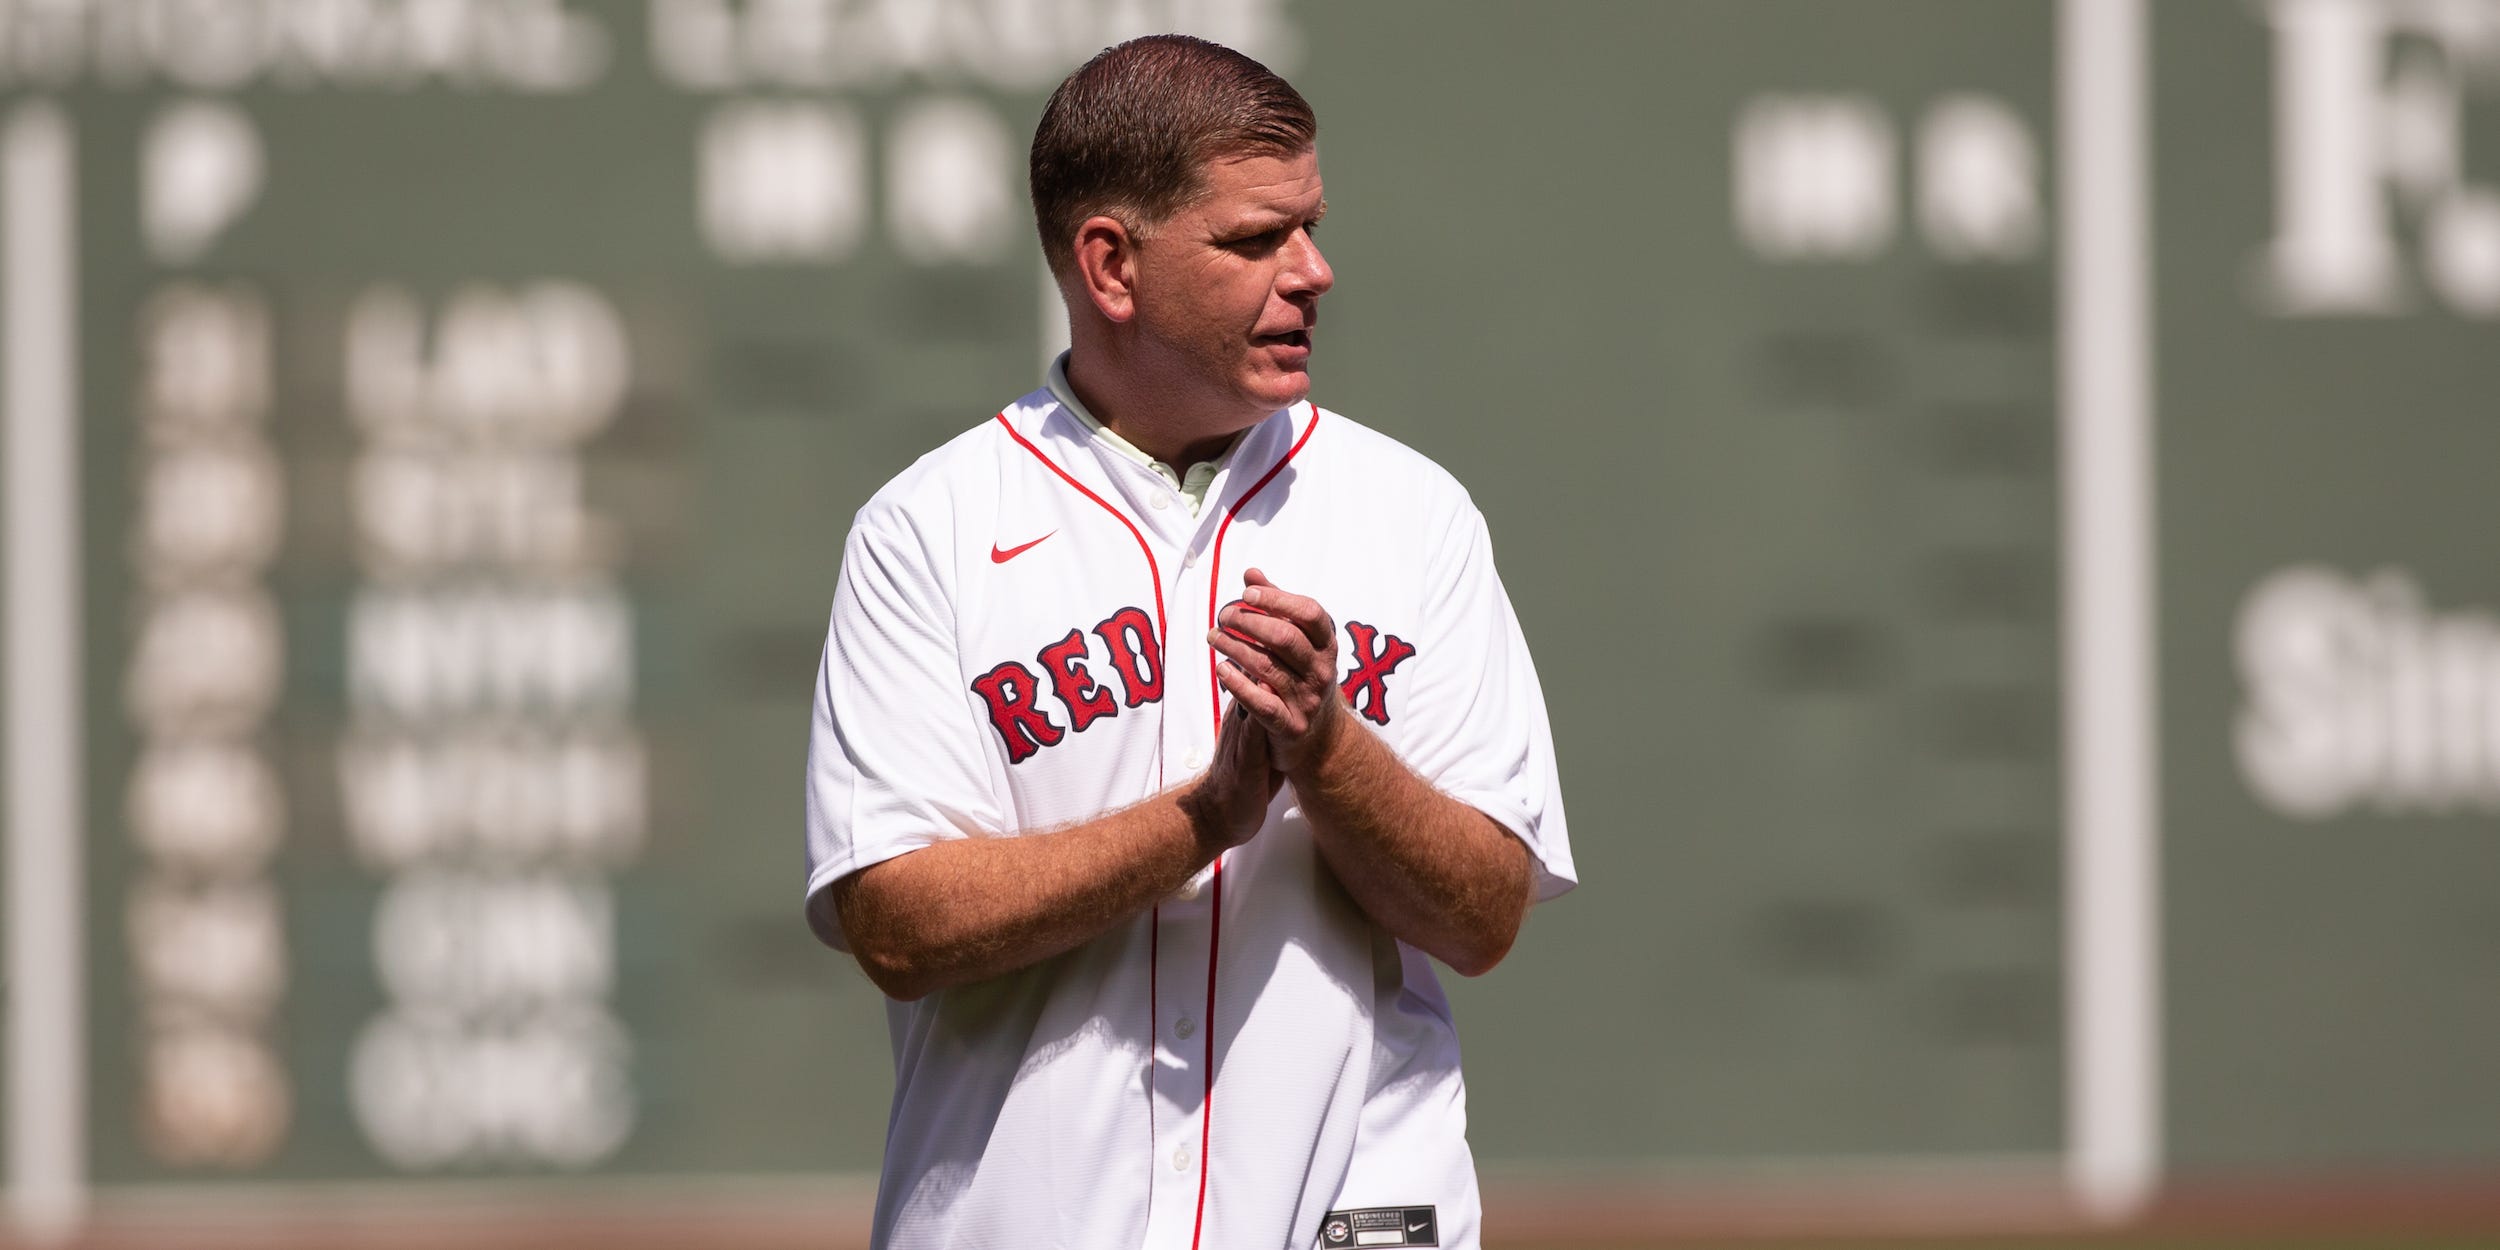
x: 1183, y: 1027
x: 1159, y: 502
x: 1195, y: 760
x: 1182, y: 1158
x: 1188, y: 890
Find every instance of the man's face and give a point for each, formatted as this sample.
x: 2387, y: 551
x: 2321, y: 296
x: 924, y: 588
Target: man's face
x: 1228, y: 289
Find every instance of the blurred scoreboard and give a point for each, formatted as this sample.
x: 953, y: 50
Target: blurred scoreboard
x: 1753, y: 370
x: 471, y: 398
x: 2327, y: 282
x: 475, y: 398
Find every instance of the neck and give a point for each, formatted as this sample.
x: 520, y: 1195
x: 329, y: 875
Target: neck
x: 1159, y: 416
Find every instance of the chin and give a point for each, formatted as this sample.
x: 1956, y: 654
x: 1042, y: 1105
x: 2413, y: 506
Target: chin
x: 1272, y: 393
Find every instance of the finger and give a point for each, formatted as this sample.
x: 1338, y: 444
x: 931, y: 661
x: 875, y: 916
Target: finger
x: 1244, y: 604
x: 1250, y: 656
x: 1235, y: 611
x: 1283, y: 641
x: 1302, y: 610
x: 1262, y: 704
x: 1271, y: 712
x: 1251, y: 752
x: 1238, y: 732
x: 1228, y: 731
x: 1246, y: 750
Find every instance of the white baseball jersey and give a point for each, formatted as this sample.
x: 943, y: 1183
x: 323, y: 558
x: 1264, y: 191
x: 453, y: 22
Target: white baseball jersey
x: 1017, y: 644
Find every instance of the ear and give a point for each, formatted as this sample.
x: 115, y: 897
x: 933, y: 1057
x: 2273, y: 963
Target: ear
x: 1106, y: 267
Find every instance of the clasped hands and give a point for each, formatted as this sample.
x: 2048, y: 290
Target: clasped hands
x: 1280, y: 666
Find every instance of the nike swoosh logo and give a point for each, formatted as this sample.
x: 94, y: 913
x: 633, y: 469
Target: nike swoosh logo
x: 1001, y: 557
x: 1416, y: 1228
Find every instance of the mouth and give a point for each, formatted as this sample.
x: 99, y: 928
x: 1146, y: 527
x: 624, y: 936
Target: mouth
x: 1290, y: 338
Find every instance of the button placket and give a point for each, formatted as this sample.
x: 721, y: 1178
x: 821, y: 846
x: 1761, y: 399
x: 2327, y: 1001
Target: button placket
x: 1185, y: 931
x: 1179, y: 1081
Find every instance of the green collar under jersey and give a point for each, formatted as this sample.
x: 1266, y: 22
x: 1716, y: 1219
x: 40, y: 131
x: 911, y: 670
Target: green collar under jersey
x: 1191, y: 485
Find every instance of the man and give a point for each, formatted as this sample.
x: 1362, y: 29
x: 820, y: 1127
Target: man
x: 1149, y: 849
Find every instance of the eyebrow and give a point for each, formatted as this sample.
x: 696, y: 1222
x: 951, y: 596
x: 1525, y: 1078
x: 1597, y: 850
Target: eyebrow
x: 1264, y: 220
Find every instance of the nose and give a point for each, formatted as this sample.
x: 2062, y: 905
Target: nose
x: 1306, y: 273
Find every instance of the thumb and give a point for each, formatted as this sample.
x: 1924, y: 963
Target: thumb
x: 1258, y: 755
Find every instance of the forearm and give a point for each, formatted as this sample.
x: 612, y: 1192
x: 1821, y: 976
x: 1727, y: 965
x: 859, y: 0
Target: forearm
x: 1436, y: 873
x: 973, y: 908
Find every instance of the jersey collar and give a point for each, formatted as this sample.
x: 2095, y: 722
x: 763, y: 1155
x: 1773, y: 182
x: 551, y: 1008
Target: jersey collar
x: 1192, y: 484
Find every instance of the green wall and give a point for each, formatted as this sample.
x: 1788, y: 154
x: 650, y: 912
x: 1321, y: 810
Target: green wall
x: 1740, y: 321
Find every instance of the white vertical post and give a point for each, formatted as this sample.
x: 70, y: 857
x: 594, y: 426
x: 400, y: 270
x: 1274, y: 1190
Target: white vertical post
x: 2112, y: 814
x: 47, y: 1149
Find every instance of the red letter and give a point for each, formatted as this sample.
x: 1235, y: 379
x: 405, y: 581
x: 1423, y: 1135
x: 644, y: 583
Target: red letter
x: 1086, y: 700
x: 1135, y: 652
x: 1011, y: 690
x: 1372, y: 666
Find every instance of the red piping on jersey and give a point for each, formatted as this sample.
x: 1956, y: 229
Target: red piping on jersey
x: 1215, y: 924
x: 1163, y: 639
x: 1154, y: 1023
x: 1163, y: 645
x: 1215, y: 906
x: 1215, y: 572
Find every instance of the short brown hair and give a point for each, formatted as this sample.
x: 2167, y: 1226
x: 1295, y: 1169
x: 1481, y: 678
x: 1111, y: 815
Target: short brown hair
x: 1129, y: 133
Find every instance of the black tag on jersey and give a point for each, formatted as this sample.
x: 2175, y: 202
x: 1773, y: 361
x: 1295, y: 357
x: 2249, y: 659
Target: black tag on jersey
x: 1380, y: 1226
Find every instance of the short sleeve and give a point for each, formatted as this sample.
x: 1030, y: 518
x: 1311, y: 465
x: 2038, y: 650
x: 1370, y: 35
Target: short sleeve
x: 894, y: 763
x: 1480, y: 732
